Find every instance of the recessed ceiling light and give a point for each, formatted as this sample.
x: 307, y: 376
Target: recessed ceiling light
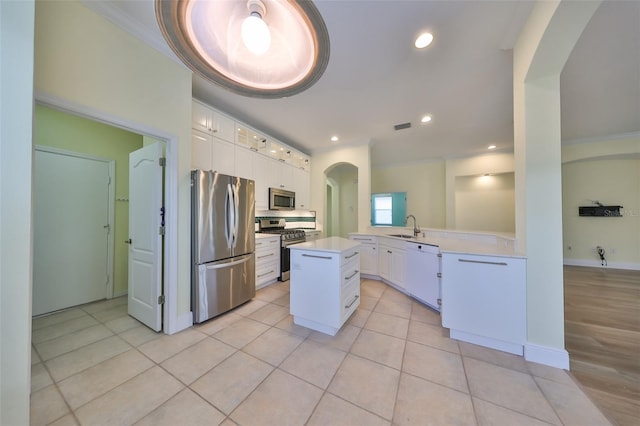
x: 334, y: 139
x: 425, y: 119
x: 491, y: 147
x: 423, y: 40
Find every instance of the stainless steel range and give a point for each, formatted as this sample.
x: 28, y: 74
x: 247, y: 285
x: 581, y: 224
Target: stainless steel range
x: 287, y: 238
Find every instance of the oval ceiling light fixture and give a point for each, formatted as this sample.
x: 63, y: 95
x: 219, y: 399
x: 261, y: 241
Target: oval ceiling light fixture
x: 426, y: 119
x: 213, y: 39
x: 423, y: 40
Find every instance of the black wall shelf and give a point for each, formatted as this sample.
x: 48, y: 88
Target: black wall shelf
x: 600, y: 211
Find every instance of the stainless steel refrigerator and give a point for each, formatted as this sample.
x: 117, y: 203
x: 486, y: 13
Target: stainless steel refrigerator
x: 223, y: 243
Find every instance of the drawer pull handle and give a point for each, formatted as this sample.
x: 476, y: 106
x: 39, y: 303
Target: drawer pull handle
x: 355, y: 253
x: 352, y: 275
x: 361, y: 239
x: 266, y: 255
x: 352, y: 302
x: 266, y: 273
x: 318, y: 257
x: 484, y: 262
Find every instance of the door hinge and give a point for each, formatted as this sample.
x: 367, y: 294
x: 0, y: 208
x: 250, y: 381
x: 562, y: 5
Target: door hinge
x: 161, y: 300
x: 439, y: 275
x: 162, y: 161
x: 161, y: 231
x: 439, y: 302
x: 439, y: 254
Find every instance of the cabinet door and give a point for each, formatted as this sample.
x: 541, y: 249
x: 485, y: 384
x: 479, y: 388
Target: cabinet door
x: 261, y: 171
x: 223, y: 127
x: 223, y: 157
x: 201, y: 117
x: 201, y: 151
x: 398, y: 267
x: 244, y: 160
x: 302, y: 185
x: 384, y: 262
x: 369, y: 259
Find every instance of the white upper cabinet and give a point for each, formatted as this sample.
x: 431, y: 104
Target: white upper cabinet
x: 201, y: 150
x: 250, y: 139
x: 302, y: 188
x: 209, y: 121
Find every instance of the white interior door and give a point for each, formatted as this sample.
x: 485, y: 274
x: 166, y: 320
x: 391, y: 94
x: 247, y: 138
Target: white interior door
x: 145, y: 239
x: 71, y: 258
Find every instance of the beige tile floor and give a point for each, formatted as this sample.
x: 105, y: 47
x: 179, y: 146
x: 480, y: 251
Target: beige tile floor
x: 391, y: 363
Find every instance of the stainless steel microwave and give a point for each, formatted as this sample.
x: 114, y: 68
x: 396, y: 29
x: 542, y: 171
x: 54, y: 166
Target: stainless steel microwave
x: 280, y: 199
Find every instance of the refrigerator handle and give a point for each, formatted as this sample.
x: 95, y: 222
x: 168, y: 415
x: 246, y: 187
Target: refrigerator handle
x: 236, y: 215
x: 228, y: 219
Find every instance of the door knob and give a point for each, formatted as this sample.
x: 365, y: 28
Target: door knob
x: 127, y: 241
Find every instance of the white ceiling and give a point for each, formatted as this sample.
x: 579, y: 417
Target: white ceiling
x: 376, y: 78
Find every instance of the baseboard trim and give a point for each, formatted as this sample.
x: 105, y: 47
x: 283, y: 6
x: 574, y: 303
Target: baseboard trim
x: 501, y: 345
x: 553, y: 357
x: 596, y: 264
x: 120, y: 293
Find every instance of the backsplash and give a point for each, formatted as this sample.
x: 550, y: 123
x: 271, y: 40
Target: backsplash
x: 294, y: 218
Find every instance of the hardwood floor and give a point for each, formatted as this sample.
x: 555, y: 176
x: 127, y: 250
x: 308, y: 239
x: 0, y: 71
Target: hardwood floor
x: 602, y: 335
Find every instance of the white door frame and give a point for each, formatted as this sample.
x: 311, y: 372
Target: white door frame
x: 111, y: 204
x: 172, y: 322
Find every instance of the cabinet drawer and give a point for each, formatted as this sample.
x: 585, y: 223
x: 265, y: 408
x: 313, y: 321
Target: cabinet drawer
x: 350, y: 256
x: 364, y: 239
x: 266, y: 273
x: 349, y: 274
x: 263, y: 256
x: 350, y: 299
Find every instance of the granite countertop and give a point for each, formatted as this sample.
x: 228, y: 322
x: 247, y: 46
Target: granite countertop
x: 331, y: 244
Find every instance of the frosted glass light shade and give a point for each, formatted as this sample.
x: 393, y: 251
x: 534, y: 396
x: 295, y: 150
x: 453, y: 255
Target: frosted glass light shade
x: 207, y: 36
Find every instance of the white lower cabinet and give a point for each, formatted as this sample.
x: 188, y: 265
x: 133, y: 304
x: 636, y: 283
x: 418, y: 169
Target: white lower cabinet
x: 392, y: 261
x: 368, y: 253
x: 484, y: 300
x: 267, y: 259
x: 325, y: 286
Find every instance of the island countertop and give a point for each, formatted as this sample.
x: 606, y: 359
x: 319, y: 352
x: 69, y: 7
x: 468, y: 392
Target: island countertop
x: 330, y: 244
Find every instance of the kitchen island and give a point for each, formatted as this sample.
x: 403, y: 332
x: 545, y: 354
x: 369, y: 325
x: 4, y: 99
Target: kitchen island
x: 325, y: 283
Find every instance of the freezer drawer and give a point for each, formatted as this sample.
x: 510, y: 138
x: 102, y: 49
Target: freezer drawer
x: 223, y: 285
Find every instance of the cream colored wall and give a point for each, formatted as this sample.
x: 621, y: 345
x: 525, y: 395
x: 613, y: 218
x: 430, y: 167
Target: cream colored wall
x: 611, y: 181
x: 424, y: 184
x: 485, y: 203
x: 348, y: 182
x: 323, y: 162
x: 16, y: 161
x: 473, y: 166
x: 88, y: 62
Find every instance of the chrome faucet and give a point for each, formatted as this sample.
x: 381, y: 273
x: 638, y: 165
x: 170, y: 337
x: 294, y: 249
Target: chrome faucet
x: 416, y: 228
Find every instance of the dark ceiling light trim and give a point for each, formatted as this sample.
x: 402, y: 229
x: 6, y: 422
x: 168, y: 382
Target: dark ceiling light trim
x: 172, y: 16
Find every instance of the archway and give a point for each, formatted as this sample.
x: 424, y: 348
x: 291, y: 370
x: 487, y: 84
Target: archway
x: 341, y: 199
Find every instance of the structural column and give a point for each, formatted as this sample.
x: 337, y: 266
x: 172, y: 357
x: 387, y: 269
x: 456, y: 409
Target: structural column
x: 540, y: 54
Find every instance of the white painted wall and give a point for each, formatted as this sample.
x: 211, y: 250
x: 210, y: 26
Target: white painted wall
x: 472, y: 166
x: 345, y: 177
x: 485, y: 203
x: 323, y: 161
x: 539, y: 56
x: 16, y: 161
x: 91, y: 64
x: 424, y: 184
x: 612, y: 182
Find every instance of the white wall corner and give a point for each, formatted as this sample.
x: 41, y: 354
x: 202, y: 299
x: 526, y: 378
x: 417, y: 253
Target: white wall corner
x: 553, y: 357
x: 182, y: 322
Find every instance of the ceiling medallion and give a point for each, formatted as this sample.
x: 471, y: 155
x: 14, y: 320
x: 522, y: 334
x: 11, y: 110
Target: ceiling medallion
x: 216, y: 40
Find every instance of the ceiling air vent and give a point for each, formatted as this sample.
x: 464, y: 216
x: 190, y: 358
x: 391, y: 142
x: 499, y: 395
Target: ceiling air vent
x: 402, y: 126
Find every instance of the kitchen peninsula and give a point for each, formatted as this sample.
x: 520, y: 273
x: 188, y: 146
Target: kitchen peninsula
x: 479, y: 286
x: 325, y: 283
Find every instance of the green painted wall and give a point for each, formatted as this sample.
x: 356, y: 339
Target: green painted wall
x: 72, y: 133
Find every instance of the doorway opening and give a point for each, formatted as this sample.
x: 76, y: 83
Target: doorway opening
x: 341, y: 199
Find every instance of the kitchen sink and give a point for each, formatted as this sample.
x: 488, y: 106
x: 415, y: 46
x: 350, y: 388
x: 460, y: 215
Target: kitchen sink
x: 402, y: 235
